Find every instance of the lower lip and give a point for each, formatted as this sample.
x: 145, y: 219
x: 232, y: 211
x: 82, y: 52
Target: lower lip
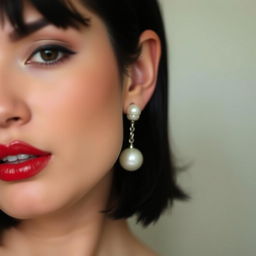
x: 24, y: 170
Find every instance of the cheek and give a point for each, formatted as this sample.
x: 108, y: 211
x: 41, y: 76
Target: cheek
x: 83, y: 123
x: 95, y: 115
x: 90, y: 106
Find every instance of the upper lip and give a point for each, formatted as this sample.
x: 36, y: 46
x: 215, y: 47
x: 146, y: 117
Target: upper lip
x: 19, y: 147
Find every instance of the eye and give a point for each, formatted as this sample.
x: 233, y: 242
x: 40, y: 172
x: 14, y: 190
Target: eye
x: 49, y: 55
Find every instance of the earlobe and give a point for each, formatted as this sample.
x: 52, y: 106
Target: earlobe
x: 142, y: 74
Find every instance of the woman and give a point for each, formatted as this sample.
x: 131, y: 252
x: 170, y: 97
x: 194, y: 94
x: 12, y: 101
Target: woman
x: 71, y: 71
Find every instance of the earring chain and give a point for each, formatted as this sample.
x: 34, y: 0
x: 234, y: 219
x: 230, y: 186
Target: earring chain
x: 132, y: 130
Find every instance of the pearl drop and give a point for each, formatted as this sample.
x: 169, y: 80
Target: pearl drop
x: 131, y: 159
x: 133, y: 112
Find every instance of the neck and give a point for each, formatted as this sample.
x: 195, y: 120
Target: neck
x: 104, y: 237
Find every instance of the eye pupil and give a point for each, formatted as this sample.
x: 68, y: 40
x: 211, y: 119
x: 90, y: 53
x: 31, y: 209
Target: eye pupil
x: 49, y: 55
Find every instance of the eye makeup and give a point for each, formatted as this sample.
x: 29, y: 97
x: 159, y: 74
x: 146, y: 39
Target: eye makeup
x: 49, y: 55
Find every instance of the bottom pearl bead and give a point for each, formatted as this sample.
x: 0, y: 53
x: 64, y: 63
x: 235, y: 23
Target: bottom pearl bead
x: 131, y: 159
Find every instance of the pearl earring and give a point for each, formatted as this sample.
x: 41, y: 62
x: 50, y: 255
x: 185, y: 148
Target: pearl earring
x: 131, y: 159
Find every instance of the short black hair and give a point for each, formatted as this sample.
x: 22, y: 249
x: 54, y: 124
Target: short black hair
x: 147, y: 192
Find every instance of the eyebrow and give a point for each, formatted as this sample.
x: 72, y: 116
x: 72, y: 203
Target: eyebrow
x: 29, y: 28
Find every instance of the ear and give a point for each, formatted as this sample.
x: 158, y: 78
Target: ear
x: 140, y: 82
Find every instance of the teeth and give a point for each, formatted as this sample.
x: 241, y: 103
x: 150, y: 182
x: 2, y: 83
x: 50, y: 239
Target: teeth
x: 23, y: 156
x: 17, y: 157
x: 12, y: 158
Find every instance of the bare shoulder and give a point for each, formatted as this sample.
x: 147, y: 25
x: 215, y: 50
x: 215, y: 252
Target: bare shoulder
x: 146, y: 252
x: 142, y: 249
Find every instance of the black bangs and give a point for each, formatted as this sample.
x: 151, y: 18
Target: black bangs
x: 60, y: 13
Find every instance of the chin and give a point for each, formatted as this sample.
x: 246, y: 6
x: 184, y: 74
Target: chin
x: 28, y: 210
x: 21, y: 201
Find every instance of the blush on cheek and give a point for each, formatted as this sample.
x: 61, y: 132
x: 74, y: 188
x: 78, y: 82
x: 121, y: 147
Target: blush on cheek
x: 93, y: 89
x: 103, y: 118
x: 89, y: 112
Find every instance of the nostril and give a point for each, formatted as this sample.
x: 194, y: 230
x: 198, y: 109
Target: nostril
x: 6, y: 122
x: 13, y: 119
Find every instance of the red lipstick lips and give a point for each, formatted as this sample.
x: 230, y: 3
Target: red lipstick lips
x: 21, y: 169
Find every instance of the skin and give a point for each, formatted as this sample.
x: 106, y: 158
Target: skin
x: 72, y: 109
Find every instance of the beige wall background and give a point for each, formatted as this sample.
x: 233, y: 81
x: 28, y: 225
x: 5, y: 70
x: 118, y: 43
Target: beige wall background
x: 213, y: 126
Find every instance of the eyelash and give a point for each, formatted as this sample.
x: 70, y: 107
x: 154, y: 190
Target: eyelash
x: 61, y: 51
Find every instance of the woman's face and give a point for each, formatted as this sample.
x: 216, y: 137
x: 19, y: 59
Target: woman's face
x: 69, y: 101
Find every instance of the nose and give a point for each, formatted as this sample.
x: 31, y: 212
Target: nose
x: 13, y: 110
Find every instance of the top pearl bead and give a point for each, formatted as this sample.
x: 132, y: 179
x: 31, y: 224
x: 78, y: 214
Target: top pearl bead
x: 133, y: 112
